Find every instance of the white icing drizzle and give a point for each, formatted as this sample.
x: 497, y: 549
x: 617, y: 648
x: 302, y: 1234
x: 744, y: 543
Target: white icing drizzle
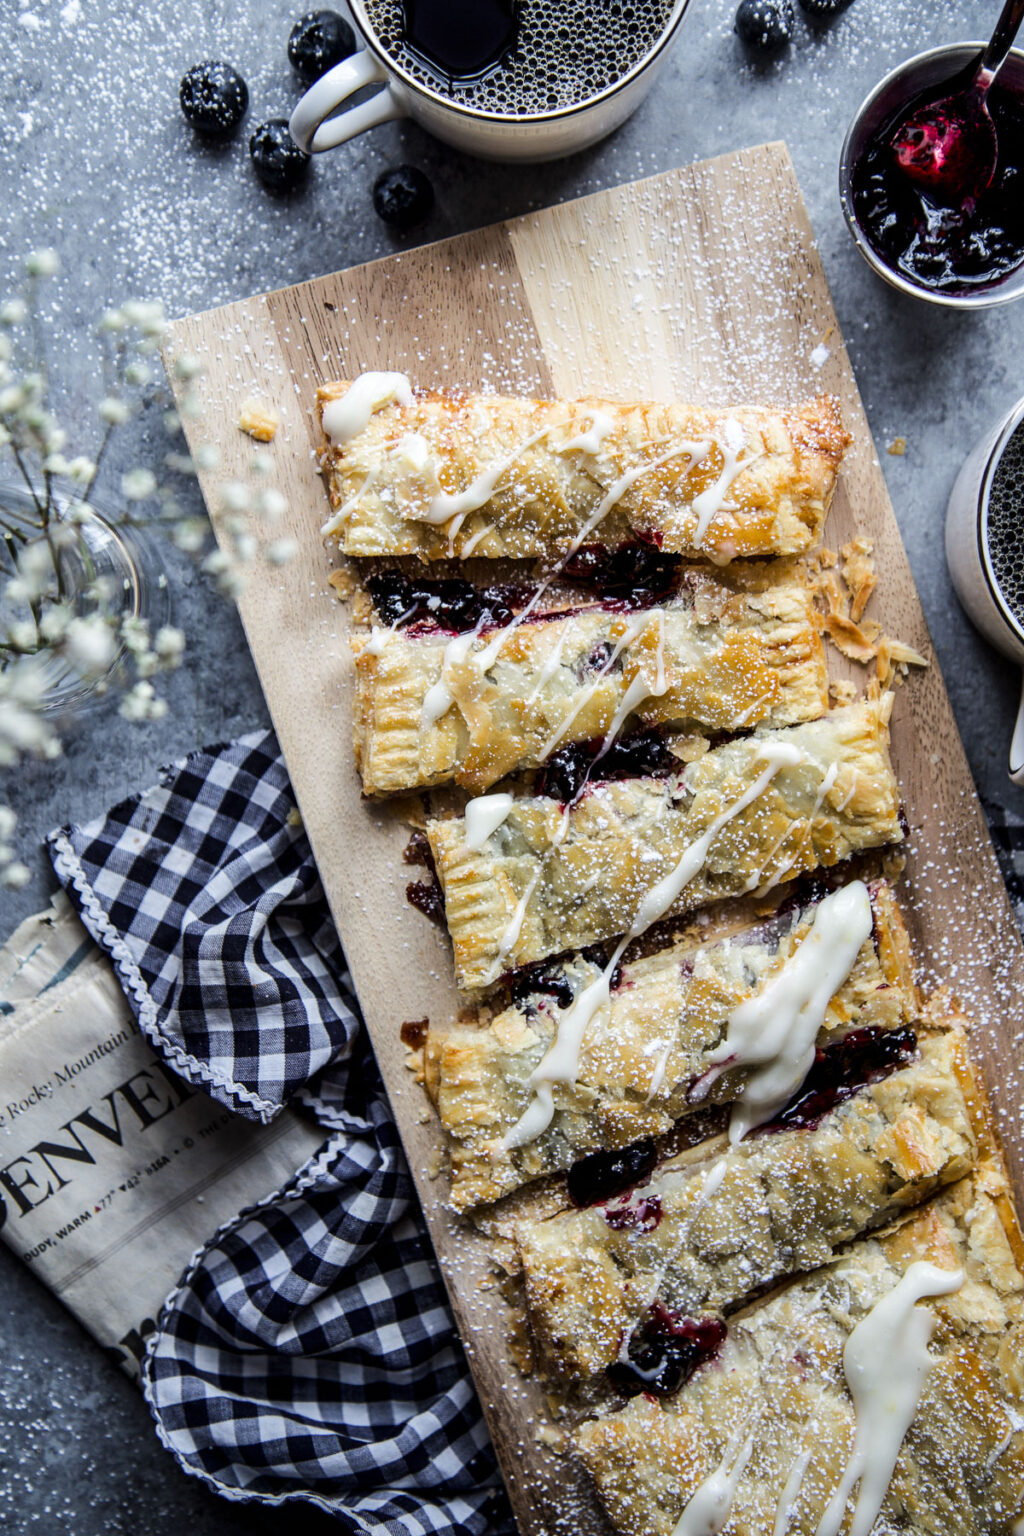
x: 791, y: 1492
x: 438, y: 696
x: 549, y: 668
x: 633, y: 628
x: 344, y: 512
x: 485, y: 815
x: 638, y: 689
x: 447, y: 505
x: 711, y: 1505
x: 712, y: 500
x: 748, y: 713
x: 775, y: 1030
x: 886, y: 1361
x: 345, y: 418
x: 697, y: 452
x: 591, y: 440
x: 561, y: 1062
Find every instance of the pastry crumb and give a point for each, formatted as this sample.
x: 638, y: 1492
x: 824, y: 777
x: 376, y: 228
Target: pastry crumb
x: 551, y: 1436
x: 842, y: 691
x: 897, y: 447
x: 342, y: 581
x: 294, y: 818
x: 258, y: 420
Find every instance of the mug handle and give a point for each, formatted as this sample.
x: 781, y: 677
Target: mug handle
x: 307, y: 126
x: 1017, y: 743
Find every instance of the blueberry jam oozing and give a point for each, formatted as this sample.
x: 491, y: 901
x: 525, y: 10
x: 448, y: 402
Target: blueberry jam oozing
x: 636, y: 575
x: 424, y: 895
x: 548, y: 978
x: 454, y: 605
x: 634, y: 1215
x: 864, y: 1056
x: 603, y: 1175
x: 948, y: 250
x: 665, y: 1350
x: 644, y: 754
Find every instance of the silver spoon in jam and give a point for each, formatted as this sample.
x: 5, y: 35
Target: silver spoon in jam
x: 948, y: 148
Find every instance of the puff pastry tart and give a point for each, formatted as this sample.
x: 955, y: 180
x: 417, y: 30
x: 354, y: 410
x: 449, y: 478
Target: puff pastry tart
x: 419, y: 472
x: 539, y: 877
x: 699, y: 1238
x: 650, y: 1055
x: 880, y: 1394
x: 722, y: 656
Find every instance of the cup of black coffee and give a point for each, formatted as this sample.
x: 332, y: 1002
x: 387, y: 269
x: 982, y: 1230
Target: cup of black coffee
x: 502, y: 79
x: 985, y: 547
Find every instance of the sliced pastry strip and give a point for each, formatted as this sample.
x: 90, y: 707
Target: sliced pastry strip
x: 651, y: 1054
x: 724, y: 655
x: 549, y: 877
x: 882, y: 1393
x: 606, y: 1285
x: 437, y: 474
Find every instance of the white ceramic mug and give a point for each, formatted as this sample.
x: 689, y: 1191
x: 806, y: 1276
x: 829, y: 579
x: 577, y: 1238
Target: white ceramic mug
x: 490, y: 135
x: 970, y: 562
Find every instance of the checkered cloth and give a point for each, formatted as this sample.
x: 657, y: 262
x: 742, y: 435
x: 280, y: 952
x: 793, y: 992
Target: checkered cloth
x: 308, y: 1352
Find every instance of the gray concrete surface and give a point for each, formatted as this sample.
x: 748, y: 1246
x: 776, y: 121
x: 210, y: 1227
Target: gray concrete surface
x: 96, y: 161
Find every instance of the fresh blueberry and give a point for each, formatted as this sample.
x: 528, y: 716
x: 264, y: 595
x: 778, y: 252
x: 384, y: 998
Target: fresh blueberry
x: 214, y: 98
x: 824, y: 7
x: 765, y: 24
x: 318, y: 42
x: 403, y: 197
x: 278, y: 160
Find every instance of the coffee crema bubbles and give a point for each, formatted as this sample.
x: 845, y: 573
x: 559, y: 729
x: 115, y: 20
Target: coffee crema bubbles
x: 1005, y: 516
x: 564, y: 54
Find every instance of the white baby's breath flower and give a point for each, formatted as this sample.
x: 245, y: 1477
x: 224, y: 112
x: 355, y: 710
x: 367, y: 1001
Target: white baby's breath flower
x: 35, y: 565
x: 281, y: 551
x: 141, y: 703
x: 23, y: 729
x: 169, y: 645
x: 54, y: 622
x: 147, y: 314
x: 187, y: 366
x: 21, y: 633
x: 56, y: 439
x: 245, y: 547
x: 113, y: 411
x: 15, y: 875
x: 138, y: 374
x: 16, y: 592
x: 81, y: 470
x: 231, y: 583
x: 172, y: 423
x: 13, y: 311
x: 272, y: 504
x: 8, y: 822
x: 235, y: 497
x: 138, y: 484
x: 112, y: 320
x: 190, y: 535
x: 42, y: 263
x: 135, y: 635
x: 55, y: 464
x: 12, y: 398
x: 91, y: 644
x: 207, y: 456
x: 190, y: 405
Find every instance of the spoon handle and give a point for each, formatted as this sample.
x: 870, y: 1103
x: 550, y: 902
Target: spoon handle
x: 992, y: 60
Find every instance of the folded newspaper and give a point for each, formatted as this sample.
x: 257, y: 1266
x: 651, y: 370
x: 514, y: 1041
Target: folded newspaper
x: 112, y: 1169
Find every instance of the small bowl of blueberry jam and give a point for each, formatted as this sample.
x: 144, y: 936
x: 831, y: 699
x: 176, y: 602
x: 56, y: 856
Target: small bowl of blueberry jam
x: 966, y: 257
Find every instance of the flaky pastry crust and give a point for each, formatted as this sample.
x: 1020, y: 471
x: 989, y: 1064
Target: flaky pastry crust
x: 726, y: 655
x: 776, y: 504
x: 538, y: 887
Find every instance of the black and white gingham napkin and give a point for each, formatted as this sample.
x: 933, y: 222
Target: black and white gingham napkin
x: 308, y: 1352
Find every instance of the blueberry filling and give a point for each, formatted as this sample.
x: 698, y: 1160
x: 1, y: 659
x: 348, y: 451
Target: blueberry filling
x: 643, y: 754
x: 665, y: 1350
x: 839, y: 1071
x: 634, y: 1215
x: 548, y: 977
x: 425, y: 895
x: 635, y: 575
x: 603, y: 1175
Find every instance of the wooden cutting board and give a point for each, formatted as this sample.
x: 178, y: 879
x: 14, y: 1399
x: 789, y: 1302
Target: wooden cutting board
x: 704, y: 284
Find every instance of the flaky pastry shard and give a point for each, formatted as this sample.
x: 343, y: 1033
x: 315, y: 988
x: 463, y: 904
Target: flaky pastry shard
x: 643, y: 1055
x: 550, y: 879
x: 779, y: 1385
x: 727, y: 654
x: 536, y: 474
x: 702, y: 1236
